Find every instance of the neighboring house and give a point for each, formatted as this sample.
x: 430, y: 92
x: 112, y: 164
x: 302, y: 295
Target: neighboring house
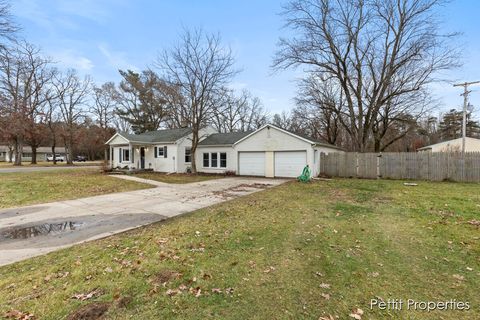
x: 42, y: 153
x: 455, y: 145
x: 268, y: 151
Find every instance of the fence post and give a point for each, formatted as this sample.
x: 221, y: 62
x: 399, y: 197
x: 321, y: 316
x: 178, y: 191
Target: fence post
x: 379, y: 157
x: 357, y: 168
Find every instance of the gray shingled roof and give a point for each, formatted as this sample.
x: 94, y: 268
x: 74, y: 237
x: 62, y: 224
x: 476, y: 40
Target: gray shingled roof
x: 168, y: 135
x: 217, y: 139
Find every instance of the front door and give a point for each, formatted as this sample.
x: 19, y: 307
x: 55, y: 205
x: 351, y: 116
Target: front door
x: 142, y: 158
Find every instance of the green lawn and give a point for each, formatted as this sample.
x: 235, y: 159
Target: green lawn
x: 18, y: 189
x: 176, y: 177
x: 298, y: 251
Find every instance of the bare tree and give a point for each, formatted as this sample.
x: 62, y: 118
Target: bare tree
x: 52, y: 119
x: 104, y: 105
x: 23, y: 81
x: 319, y: 107
x: 199, y: 66
x: 244, y: 112
x: 103, y: 110
x: 8, y: 28
x: 379, y: 53
x: 283, y: 120
x: 71, y: 93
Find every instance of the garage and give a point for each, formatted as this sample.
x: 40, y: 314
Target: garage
x: 290, y: 163
x: 251, y: 163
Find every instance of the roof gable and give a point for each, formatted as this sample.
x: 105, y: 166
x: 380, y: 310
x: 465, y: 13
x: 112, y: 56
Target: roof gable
x: 295, y: 135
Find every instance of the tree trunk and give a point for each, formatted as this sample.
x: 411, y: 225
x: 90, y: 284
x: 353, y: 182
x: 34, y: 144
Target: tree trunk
x: 10, y: 154
x: 34, y: 154
x: 69, y: 152
x: 18, y: 152
x: 53, y: 153
x: 193, y: 150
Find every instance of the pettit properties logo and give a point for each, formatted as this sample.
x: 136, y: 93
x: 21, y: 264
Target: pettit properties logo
x: 415, y: 305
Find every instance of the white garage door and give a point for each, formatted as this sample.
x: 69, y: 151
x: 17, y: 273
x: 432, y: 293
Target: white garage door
x: 252, y: 163
x: 290, y: 164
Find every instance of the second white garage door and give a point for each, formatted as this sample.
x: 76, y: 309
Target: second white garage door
x: 251, y: 163
x: 290, y: 163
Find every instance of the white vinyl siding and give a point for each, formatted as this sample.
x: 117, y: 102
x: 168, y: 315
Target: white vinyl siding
x: 290, y: 163
x: 252, y: 163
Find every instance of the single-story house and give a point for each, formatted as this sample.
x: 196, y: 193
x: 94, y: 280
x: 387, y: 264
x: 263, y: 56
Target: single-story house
x: 455, y: 145
x: 269, y: 151
x: 42, y: 153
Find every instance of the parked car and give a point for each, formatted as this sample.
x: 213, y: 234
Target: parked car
x: 80, y: 159
x: 58, y: 157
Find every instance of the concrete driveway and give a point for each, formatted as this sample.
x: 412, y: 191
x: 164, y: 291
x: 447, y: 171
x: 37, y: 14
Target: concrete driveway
x: 34, y: 230
x: 33, y: 169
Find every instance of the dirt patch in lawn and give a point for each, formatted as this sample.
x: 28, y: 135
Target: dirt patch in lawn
x: 166, y: 276
x: 91, y: 311
x: 244, y: 187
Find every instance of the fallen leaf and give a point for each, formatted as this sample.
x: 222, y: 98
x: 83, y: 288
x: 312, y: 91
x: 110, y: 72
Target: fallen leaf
x: 162, y: 241
x: 458, y: 277
x: 182, y: 287
x: 196, y: 291
x: 85, y: 296
x: 269, y: 269
x: 324, y: 285
x: 229, y: 291
x: 216, y: 290
x: 474, y: 222
x: 18, y: 315
x: 329, y: 317
x: 172, y: 292
x: 326, y: 296
x: 108, y: 269
x: 469, y: 269
x: 357, y: 313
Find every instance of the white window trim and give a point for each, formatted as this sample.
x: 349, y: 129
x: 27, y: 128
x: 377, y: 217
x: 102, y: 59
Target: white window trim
x: 158, y: 152
x: 185, y: 154
x: 218, y: 160
x: 123, y: 155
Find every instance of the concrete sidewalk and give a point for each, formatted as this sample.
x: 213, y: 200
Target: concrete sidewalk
x: 34, y: 230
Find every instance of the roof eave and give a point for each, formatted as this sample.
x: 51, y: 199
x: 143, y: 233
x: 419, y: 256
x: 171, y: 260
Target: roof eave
x: 326, y: 145
x: 215, y: 145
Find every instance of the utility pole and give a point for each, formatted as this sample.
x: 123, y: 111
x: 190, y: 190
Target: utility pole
x: 465, y: 105
x: 464, y: 123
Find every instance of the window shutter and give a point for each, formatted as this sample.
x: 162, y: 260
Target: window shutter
x: 155, y: 152
x: 132, y: 151
x: 120, y: 155
x: 165, y: 151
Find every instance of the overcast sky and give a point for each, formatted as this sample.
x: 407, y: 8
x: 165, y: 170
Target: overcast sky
x: 98, y: 37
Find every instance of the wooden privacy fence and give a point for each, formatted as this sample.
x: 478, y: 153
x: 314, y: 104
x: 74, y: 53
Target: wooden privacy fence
x: 434, y: 166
